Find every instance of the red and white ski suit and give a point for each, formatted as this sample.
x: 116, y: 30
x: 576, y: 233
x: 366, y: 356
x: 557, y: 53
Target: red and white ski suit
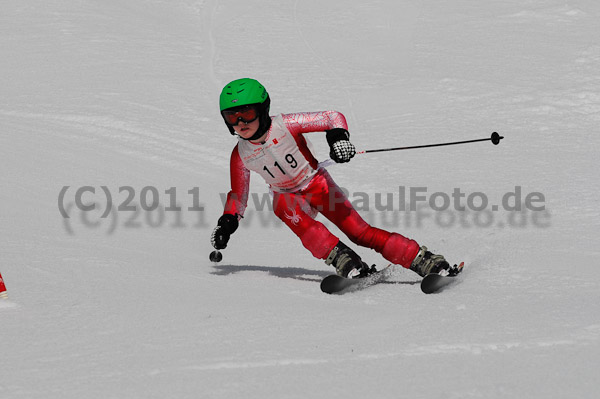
x: 301, y: 189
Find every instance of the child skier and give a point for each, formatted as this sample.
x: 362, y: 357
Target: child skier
x: 274, y: 147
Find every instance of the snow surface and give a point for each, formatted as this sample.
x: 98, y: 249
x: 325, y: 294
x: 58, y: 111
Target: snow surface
x: 124, y: 93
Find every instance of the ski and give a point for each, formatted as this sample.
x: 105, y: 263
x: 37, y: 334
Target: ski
x: 435, y: 282
x: 336, y: 284
x: 430, y: 284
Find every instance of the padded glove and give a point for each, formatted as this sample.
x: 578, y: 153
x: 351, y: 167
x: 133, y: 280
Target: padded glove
x: 341, y: 149
x: 226, y: 226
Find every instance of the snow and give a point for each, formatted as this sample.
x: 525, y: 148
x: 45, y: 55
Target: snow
x: 124, y: 94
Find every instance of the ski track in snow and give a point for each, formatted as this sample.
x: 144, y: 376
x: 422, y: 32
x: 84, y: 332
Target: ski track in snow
x: 6, y: 304
x: 125, y: 137
x: 588, y: 336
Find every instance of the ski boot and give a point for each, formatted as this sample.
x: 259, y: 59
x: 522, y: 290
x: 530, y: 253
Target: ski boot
x: 428, y: 263
x: 347, y: 263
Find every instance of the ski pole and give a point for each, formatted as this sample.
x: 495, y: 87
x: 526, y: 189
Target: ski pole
x: 215, y: 256
x: 495, y: 139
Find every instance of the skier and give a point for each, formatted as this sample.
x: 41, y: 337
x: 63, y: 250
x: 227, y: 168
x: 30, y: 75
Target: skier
x: 274, y: 147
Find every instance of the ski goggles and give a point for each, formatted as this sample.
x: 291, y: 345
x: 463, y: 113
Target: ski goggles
x: 246, y: 114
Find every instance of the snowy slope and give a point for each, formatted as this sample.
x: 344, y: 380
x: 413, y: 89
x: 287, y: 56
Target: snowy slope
x: 124, y: 94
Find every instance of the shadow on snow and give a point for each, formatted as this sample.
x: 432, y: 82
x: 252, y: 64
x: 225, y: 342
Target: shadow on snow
x: 296, y: 273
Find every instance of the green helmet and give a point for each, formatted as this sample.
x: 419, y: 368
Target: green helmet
x: 247, y: 91
x: 242, y: 92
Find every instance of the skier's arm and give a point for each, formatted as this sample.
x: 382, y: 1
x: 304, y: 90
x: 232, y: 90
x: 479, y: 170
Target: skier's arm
x: 235, y: 205
x: 237, y: 198
x: 306, y: 122
x: 332, y: 122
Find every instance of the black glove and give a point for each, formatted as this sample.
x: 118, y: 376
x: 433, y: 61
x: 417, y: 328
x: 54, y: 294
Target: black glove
x: 342, y: 149
x: 226, y: 226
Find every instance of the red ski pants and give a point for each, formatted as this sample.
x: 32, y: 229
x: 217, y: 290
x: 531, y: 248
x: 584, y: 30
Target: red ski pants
x: 297, y: 211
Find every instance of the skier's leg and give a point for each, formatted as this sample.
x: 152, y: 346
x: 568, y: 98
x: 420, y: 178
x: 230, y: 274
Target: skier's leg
x: 392, y: 246
x: 294, y: 211
x: 298, y: 215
